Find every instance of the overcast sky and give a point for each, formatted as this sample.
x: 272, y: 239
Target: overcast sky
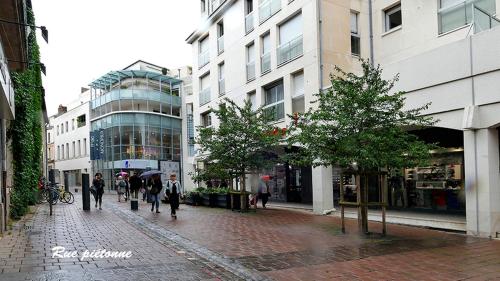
x: 88, y: 38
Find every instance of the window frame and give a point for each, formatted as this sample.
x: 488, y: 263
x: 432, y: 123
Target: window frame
x: 355, y: 34
x: 390, y: 11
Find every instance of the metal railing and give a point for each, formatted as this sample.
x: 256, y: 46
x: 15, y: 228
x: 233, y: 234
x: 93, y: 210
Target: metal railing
x: 220, y: 44
x: 250, y: 70
x: 289, y: 50
x: 459, y: 15
x: 203, y: 59
x: 482, y: 20
x: 205, y: 96
x: 222, y: 86
x: 6, y: 80
x: 265, y: 63
x: 268, y: 8
x: 249, y: 24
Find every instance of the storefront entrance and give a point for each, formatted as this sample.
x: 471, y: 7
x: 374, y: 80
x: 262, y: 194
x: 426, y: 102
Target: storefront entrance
x: 436, y: 188
x: 290, y: 183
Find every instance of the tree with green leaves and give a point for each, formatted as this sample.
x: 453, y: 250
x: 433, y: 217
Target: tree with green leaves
x: 360, y: 122
x: 241, y: 143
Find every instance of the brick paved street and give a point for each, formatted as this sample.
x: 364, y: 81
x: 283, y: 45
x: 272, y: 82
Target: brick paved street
x: 217, y: 244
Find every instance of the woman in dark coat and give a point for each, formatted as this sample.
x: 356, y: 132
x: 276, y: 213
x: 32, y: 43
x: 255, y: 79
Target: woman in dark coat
x: 98, y: 184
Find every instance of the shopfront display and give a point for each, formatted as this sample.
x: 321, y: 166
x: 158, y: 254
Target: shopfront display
x: 437, y: 187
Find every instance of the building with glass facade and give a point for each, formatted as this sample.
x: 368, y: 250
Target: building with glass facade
x: 136, y: 120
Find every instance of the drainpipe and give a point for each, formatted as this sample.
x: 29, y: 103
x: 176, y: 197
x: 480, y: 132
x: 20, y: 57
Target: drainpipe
x: 370, y: 16
x: 320, y: 43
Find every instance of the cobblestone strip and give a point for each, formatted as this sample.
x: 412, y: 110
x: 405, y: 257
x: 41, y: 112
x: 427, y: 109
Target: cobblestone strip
x: 186, y: 244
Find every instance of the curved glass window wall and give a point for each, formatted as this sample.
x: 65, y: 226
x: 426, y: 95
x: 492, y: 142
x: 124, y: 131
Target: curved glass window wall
x: 138, y: 95
x: 140, y: 136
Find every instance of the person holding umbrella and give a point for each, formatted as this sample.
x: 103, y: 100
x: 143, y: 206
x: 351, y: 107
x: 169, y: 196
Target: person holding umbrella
x: 155, y: 192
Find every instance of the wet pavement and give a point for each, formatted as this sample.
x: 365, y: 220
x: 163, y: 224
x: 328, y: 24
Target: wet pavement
x: 218, y: 244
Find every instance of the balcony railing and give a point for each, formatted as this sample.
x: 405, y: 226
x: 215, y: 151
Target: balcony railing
x: 203, y: 59
x: 265, y: 63
x: 290, y: 50
x: 249, y: 24
x: 6, y: 84
x: 250, y: 71
x: 268, y: 8
x: 222, y: 86
x: 482, y: 20
x: 220, y: 44
x: 463, y: 13
x: 205, y: 96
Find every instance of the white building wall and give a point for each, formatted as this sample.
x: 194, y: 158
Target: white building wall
x: 79, y: 160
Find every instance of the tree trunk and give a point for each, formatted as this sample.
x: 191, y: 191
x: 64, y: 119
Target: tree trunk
x: 242, y: 193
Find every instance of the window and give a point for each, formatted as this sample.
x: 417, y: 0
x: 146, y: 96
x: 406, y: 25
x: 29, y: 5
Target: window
x: 298, y: 105
x: 66, y: 126
x: 249, y: 25
x: 268, y: 8
x: 62, y: 151
x: 393, y: 17
x: 58, y: 152
x: 265, y: 59
x: 74, y: 150
x: 252, y: 97
x: 58, y: 130
x: 453, y: 14
x: 355, y: 39
x: 204, y: 54
x: 251, y: 61
x: 67, y: 149
x: 205, y: 89
x: 290, y: 38
x: 206, y: 119
x: 48, y: 137
x: 72, y: 124
x: 85, y: 147
x: 190, y: 128
x: 81, y: 120
x: 79, y: 148
x: 62, y: 128
x: 203, y: 6
x: 274, y: 103
x: 222, y: 83
x: 220, y: 37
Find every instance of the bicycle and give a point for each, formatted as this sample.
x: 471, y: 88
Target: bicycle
x: 66, y: 196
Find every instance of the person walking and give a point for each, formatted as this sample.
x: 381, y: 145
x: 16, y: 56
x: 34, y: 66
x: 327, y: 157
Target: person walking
x: 120, y: 184
x: 155, y: 192
x: 135, y: 184
x: 176, y: 191
x: 263, y: 191
x: 127, y: 188
x: 98, y: 184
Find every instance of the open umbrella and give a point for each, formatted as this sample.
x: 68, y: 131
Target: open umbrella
x: 148, y: 174
x: 122, y: 173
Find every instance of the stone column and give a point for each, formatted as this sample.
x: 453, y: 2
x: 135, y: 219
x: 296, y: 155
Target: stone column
x: 322, y: 182
x: 482, y: 182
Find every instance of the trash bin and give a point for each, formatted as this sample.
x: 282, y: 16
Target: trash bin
x: 134, y: 204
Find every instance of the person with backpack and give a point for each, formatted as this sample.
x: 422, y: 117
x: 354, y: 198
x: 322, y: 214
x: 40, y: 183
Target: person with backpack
x: 120, y: 183
x: 174, y: 188
x: 155, y: 192
x: 98, y: 184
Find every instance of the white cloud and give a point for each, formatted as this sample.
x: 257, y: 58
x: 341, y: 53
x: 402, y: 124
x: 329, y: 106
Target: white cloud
x: 88, y: 38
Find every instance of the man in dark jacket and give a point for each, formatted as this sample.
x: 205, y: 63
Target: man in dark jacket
x: 135, y: 184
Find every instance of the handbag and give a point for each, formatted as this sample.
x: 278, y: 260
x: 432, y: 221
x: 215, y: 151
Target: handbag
x: 93, y: 190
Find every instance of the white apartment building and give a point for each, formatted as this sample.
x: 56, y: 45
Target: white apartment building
x: 69, y: 141
x: 279, y: 53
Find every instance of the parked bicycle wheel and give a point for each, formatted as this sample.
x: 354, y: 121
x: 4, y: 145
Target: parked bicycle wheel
x: 54, y: 198
x: 68, y: 197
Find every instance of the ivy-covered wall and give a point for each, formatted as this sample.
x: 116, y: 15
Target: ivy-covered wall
x: 25, y: 132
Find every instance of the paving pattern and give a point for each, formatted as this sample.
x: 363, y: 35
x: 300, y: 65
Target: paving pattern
x: 218, y: 244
